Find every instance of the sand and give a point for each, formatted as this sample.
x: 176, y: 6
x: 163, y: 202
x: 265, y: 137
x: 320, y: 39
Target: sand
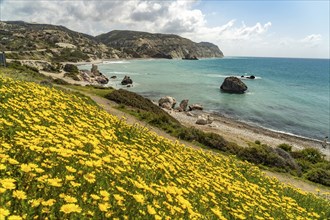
x: 243, y: 133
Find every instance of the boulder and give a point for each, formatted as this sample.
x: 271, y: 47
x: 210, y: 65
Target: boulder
x: 127, y: 80
x: 166, y: 105
x: 101, y: 79
x: 113, y: 77
x: 95, y: 70
x: 167, y: 101
x: 184, y: 104
x: 195, y: 107
x: 233, y: 85
x: 204, y: 120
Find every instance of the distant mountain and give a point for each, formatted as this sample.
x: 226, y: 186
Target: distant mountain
x: 143, y: 45
x: 24, y: 40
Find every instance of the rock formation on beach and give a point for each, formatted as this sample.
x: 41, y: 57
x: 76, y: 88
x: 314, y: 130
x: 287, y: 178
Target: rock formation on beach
x: 167, y: 102
x: 127, y: 80
x: 92, y: 76
x: 233, y: 85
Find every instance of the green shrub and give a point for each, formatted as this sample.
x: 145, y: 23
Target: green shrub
x: 267, y: 156
x: 312, y: 155
x: 257, y: 142
x: 286, y: 147
x: 319, y: 175
x: 70, y: 55
x: 70, y: 68
x: 73, y: 76
x: 59, y: 81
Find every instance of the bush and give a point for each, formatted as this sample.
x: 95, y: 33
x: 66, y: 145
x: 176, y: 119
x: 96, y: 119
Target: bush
x: 264, y: 155
x: 319, y: 175
x: 310, y: 154
x: 70, y: 68
x: 257, y: 142
x: 286, y: 147
x: 59, y: 81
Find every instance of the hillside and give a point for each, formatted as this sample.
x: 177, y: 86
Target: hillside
x: 65, y: 157
x: 49, y: 42
x: 143, y: 44
x: 22, y: 40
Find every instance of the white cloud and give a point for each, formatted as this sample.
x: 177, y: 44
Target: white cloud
x: 171, y: 16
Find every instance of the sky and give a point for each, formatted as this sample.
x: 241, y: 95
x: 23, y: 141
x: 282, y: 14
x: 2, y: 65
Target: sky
x: 281, y: 28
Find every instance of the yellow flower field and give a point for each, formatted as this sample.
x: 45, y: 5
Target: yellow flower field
x: 63, y: 157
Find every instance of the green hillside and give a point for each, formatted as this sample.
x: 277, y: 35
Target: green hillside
x: 63, y: 157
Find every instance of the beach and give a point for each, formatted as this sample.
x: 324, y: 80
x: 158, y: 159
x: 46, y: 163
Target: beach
x: 244, y: 134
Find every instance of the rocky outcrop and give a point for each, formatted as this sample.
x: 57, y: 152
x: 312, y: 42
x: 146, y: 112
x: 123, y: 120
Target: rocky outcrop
x: 190, y: 57
x: 195, y: 107
x: 233, y: 85
x: 184, y: 104
x: 127, y: 80
x: 93, y: 76
x: 167, y: 102
x: 146, y: 45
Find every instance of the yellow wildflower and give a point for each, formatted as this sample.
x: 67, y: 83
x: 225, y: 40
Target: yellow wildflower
x: 69, y: 208
x: 15, y: 217
x: 19, y: 194
x: 70, y: 199
x: 151, y: 210
x: 104, y: 207
x: 89, y: 177
x: 139, y: 198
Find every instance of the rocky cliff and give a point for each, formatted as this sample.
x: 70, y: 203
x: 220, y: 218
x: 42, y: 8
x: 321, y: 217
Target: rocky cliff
x: 143, y: 45
x: 23, y: 40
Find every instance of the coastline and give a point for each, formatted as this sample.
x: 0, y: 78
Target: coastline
x: 244, y: 134
x: 232, y: 130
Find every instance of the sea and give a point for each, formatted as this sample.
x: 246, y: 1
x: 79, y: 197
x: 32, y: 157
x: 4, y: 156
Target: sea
x: 288, y: 95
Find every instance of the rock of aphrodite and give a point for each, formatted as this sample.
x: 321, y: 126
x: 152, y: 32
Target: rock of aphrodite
x: 167, y: 102
x: 127, y: 80
x: 233, y: 85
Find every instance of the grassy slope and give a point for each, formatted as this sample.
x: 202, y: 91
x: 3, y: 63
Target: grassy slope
x: 64, y: 158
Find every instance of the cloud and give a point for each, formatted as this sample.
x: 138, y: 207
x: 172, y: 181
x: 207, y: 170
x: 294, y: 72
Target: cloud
x: 312, y: 40
x: 172, y: 16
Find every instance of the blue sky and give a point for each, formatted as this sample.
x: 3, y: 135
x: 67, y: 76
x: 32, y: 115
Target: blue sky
x: 239, y: 28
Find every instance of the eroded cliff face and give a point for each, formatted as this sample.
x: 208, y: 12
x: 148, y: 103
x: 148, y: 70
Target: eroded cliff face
x: 143, y: 45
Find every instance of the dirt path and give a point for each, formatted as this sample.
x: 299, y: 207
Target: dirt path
x: 109, y: 106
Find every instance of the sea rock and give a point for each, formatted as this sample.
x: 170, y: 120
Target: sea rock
x: 101, y: 79
x: 233, y: 85
x: 204, y: 120
x: 127, y: 80
x: 195, y: 107
x: 95, y: 71
x: 167, y: 102
x: 166, y: 105
x: 113, y: 77
x: 184, y: 104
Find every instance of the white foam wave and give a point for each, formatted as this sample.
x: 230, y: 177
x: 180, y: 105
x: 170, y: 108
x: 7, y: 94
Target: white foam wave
x: 115, y: 62
x: 123, y: 73
x: 225, y: 76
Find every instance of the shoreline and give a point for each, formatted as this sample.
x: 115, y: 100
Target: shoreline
x: 244, y: 134
x: 231, y: 129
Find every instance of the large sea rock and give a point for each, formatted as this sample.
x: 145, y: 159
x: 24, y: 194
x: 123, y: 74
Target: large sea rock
x: 233, y: 85
x: 127, y: 80
x: 167, y: 102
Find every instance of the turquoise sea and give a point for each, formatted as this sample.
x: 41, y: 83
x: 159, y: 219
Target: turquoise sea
x: 288, y: 95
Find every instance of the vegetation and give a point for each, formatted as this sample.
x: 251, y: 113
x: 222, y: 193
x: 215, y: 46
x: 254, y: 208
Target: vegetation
x: 281, y: 159
x: 70, y: 55
x: 62, y: 157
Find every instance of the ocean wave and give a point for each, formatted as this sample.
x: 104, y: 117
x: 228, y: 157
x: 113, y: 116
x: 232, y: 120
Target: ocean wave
x: 122, y: 73
x: 225, y: 76
x: 115, y: 62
